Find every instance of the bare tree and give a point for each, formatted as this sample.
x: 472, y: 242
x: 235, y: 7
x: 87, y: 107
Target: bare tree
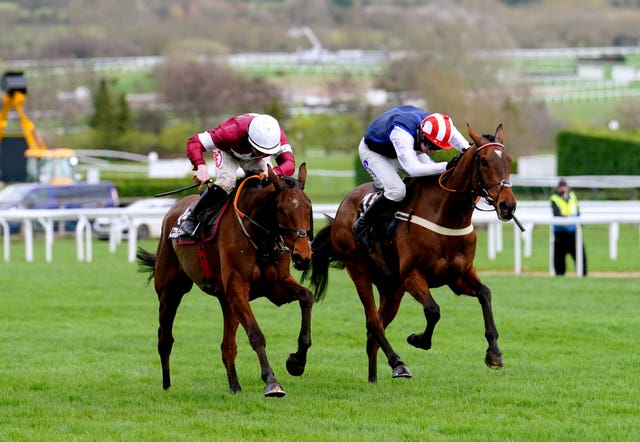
x: 471, y: 91
x: 202, y: 90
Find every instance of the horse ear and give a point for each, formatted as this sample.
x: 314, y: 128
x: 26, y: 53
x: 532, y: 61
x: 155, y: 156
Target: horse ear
x: 272, y: 176
x: 302, y: 174
x: 500, y: 134
x: 474, y: 136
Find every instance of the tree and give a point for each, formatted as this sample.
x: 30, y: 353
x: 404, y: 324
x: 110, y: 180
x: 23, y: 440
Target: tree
x: 102, y: 121
x: 123, y: 117
x: 470, y: 91
x: 110, y: 122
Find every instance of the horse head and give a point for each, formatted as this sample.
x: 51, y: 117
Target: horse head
x: 484, y: 170
x: 293, y: 208
x: 492, y: 171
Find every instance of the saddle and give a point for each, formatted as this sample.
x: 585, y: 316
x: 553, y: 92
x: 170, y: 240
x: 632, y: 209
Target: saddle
x: 209, y: 220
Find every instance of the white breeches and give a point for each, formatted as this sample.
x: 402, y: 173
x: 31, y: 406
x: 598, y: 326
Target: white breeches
x: 384, y: 172
x: 227, y: 166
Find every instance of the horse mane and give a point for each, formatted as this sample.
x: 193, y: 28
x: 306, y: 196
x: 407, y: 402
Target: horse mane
x: 290, y: 182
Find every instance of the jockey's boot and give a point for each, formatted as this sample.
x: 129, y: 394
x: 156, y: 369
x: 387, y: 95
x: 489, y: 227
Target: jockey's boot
x: 189, y: 223
x: 373, y: 221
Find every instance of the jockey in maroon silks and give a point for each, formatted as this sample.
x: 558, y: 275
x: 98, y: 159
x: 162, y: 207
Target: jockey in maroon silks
x: 247, y: 141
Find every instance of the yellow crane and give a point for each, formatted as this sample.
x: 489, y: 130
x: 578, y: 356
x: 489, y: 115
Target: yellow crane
x: 40, y: 164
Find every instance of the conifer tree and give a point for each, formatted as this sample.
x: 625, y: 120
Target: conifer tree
x: 123, y: 117
x: 102, y: 120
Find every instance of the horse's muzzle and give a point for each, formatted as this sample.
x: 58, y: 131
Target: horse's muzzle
x: 300, y: 262
x: 506, y: 209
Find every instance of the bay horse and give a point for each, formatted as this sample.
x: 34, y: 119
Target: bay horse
x: 433, y: 245
x: 269, y: 226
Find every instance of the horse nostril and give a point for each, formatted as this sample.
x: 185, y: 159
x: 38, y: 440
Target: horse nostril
x: 506, y: 209
x: 300, y: 263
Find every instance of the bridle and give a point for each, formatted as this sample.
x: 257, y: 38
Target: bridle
x: 278, y: 237
x: 484, y: 187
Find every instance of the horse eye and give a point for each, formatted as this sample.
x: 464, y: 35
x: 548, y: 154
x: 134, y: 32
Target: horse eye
x: 280, y: 210
x: 484, y: 163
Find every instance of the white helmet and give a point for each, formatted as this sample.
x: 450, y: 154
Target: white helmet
x: 264, y: 134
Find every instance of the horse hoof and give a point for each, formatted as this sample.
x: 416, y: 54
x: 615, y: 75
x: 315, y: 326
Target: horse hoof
x: 273, y: 390
x: 295, y: 367
x: 493, y: 361
x: 401, y: 371
x: 417, y: 340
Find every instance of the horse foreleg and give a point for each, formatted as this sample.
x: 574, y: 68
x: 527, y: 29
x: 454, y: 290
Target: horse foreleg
x: 238, y: 297
x: 493, y: 357
x: 229, y: 347
x: 297, y: 361
x: 416, y: 284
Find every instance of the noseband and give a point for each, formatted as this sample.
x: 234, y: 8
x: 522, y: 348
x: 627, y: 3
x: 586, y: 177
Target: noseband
x: 484, y: 187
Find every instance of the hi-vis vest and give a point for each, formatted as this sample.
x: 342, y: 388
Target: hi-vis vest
x: 567, y: 208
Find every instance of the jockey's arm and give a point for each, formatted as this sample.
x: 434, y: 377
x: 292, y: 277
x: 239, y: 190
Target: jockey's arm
x: 403, y: 142
x: 286, y: 162
x: 457, y: 140
x: 196, y: 145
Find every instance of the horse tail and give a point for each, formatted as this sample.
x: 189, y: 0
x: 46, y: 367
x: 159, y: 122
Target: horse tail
x: 322, y: 258
x: 146, y: 262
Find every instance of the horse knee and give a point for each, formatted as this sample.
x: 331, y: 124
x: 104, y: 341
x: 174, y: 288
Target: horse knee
x: 228, y: 350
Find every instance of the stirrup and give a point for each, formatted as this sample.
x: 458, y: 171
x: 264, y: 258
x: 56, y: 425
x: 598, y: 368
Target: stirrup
x: 189, y: 227
x: 366, y: 238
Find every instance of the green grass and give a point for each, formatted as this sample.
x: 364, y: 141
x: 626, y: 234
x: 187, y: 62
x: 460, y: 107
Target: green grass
x: 583, y: 114
x: 79, y: 362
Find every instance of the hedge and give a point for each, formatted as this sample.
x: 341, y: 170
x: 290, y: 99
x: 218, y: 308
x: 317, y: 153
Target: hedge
x: 597, y: 153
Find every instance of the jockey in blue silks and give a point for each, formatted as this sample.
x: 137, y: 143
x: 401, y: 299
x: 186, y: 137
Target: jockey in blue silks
x: 397, y: 141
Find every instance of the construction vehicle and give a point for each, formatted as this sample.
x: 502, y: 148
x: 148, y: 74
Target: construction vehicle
x: 25, y: 157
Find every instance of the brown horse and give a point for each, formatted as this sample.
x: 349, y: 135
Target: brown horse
x: 433, y: 244
x: 268, y: 226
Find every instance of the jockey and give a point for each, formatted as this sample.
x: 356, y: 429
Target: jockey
x: 399, y: 141
x: 246, y: 141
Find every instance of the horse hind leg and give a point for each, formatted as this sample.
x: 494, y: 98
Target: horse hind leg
x: 389, y: 304
x: 169, y: 298
x: 375, y: 329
